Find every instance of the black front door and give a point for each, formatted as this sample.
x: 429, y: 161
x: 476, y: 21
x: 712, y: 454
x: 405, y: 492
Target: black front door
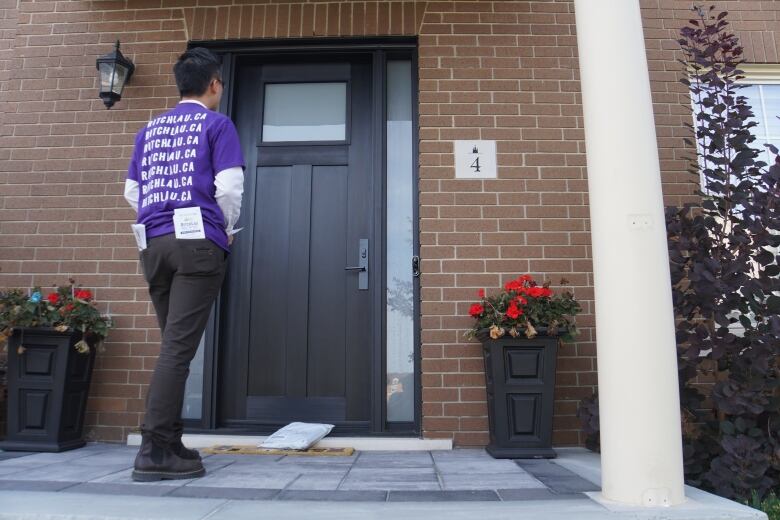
x: 295, y: 334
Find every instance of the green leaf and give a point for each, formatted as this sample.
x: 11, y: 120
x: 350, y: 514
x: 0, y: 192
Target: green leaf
x: 745, y: 321
x: 772, y: 270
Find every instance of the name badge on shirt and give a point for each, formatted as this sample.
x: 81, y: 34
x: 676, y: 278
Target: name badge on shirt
x: 188, y: 223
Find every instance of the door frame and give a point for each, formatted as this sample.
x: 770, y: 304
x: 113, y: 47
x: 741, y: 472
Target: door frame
x: 381, y: 49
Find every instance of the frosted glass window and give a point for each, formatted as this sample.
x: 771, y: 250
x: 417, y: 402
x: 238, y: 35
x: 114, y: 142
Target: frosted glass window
x: 400, y: 244
x: 305, y: 112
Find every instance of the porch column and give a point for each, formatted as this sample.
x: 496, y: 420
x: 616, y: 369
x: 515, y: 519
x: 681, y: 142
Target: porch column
x: 641, y: 443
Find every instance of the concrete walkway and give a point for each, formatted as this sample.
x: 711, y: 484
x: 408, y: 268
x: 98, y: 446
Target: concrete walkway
x: 94, y: 482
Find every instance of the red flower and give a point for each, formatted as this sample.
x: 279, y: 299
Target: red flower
x: 481, y: 293
x: 536, y: 292
x: 82, y: 294
x: 476, y: 309
x: 513, y: 312
x: 53, y: 298
x: 520, y: 300
x: 513, y: 285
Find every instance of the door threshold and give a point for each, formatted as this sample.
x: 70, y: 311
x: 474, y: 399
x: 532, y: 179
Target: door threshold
x: 204, y: 440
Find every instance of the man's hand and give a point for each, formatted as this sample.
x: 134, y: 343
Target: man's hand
x: 230, y: 239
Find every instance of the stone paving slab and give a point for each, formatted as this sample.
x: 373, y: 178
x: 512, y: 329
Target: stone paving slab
x: 6, y: 455
x: 67, y: 472
x: 478, y: 466
x: 335, y: 496
x: 557, y: 478
x: 9, y: 471
x: 393, y: 478
x: 265, y: 479
x: 241, y: 460
x: 490, y: 481
x: 35, y: 485
x: 323, y: 481
x: 224, y: 492
x: 118, y: 489
x: 318, y: 460
x: 543, y: 468
x: 462, y: 454
x: 442, y: 496
x: 34, y: 505
x: 37, y: 460
x: 535, y: 494
x: 124, y: 476
x: 394, y: 459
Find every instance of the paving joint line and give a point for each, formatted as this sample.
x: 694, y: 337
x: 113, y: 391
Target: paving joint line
x: 439, y: 476
x: 217, y: 509
x: 352, y: 465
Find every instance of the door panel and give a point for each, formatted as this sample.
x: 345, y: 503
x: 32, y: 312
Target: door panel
x: 296, y: 331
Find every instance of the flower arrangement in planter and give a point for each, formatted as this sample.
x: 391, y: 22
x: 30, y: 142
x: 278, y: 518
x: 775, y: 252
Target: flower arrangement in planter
x: 51, y: 345
x: 520, y: 329
x: 525, y: 308
x: 68, y: 308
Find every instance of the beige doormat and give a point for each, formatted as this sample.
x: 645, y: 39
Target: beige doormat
x: 244, y: 449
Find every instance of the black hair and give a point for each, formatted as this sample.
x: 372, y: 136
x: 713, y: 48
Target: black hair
x: 195, y: 70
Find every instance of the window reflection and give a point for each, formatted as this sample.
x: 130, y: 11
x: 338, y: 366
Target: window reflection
x: 400, y: 248
x: 192, y: 408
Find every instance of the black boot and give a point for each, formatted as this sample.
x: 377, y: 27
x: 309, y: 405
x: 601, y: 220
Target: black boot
x: 184, y: 452
x: 155, y: 462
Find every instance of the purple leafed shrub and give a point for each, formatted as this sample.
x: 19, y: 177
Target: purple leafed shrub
x: 725, y: 284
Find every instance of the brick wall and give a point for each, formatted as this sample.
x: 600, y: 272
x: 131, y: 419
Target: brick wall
x: 8, y: 25
x: 488, y: 70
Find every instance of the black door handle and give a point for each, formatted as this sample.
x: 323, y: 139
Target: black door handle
x: 362, y: 267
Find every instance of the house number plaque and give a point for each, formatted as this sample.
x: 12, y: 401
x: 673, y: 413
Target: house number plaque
x: 475, y: 159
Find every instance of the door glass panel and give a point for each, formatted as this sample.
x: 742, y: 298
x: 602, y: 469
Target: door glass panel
x: 304, y: 112
x: 192, y: 408
x: 400, y: 245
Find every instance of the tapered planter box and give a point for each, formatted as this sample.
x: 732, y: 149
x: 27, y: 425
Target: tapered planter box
x: 520, y: 377
x: 48, y: 385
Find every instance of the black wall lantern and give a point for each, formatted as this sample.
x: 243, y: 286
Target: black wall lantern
x: 115, y: 71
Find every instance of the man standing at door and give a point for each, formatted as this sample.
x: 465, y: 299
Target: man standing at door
x: 185, y: 180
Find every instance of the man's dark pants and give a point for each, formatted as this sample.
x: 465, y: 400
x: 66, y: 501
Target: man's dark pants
x: 184, y: 278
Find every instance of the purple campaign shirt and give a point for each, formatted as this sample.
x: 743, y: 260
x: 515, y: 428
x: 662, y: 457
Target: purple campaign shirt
x: 175, y: 159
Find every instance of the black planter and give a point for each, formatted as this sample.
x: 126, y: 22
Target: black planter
x: 520, y: 377
x: 47, y: 391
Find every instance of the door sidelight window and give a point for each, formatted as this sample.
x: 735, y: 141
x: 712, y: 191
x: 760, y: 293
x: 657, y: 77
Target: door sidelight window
x: 400, y: 244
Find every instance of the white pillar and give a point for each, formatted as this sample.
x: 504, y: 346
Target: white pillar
x: 641, y: 443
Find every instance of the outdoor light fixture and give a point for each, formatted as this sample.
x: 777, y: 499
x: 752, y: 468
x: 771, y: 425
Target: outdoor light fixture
x: 115, y: 71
